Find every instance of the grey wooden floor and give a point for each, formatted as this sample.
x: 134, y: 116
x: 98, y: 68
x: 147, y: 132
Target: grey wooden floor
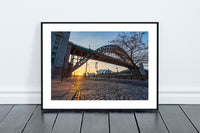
x: 169, y: 118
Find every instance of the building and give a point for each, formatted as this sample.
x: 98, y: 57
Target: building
x: 104, y: 71
x: 91, y: 74
x: 59, y: 53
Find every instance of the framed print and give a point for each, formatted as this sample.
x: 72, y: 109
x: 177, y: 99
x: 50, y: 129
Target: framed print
x: 99, y: 65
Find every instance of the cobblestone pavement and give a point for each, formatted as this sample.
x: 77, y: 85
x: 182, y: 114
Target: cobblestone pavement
x: 78, y: 88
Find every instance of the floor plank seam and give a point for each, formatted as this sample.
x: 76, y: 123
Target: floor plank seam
x: 139, y: 127
x: 163, y: 121
x: 29, y: 118
x: 81, y: 122
x: 136, y: 122
x: 189, y: 118
x: 54, y: 121
x: 7, y: 113
x: 109, y: 122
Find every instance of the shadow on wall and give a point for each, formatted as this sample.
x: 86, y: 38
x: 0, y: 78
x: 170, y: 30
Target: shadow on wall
x: 34, y: 73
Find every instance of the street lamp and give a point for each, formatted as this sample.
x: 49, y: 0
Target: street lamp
x: 117, y: 69
x: 96, y: 66
x: 117, y: 72
x: 86, y: 69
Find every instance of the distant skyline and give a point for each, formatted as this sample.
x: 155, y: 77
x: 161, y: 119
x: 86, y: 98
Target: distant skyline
x: 94, y: 40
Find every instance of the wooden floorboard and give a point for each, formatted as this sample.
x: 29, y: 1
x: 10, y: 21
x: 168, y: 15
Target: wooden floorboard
x: 169, y: 118
x: 122, y: 122
x: 40, y: 122
x: 68, y: 122
x: 4, y: 109
x: 150, y: 122
x: 193, y: 112
x: 175, y: 119
x: 95, y: 122
x: 16, y: 119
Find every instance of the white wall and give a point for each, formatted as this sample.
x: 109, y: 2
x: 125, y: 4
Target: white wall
x: 179, y: 42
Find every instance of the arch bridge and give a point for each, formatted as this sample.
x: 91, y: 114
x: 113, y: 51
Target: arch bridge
x: 109, y: 53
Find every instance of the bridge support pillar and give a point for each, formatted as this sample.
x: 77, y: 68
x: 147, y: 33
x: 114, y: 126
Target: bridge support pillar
x: 59, y: 53
x: 140, y: 70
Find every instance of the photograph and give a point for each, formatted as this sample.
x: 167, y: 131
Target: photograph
x: 99, y: 65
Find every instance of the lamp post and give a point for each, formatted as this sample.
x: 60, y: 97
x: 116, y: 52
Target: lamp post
x: 117, y: 71
x: 96, y: 66
x: 86, y: 69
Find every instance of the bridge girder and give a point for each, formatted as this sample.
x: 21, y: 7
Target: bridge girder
x: 121, y: 53
x: 102, y: 54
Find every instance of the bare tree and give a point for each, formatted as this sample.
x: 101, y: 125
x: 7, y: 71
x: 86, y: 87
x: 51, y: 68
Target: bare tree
x: 133, y: 48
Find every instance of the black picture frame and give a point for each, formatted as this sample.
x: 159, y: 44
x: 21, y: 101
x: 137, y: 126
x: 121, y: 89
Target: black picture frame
x: 64, y: 109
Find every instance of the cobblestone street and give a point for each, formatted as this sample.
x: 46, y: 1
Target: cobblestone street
x: 78, y: 88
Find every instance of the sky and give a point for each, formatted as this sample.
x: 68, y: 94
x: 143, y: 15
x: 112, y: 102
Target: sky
x: 94, y: 40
